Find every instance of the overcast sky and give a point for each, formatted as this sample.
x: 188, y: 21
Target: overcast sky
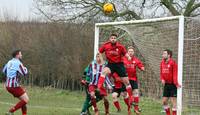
x: 22, y: 9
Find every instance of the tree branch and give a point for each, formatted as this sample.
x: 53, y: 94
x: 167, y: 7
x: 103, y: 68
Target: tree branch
x: 170, y: 7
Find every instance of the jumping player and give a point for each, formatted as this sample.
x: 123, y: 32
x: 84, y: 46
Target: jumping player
x: 114, y: 52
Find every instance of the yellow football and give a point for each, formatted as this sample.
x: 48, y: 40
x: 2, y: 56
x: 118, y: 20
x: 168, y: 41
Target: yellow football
x: 108, y: 8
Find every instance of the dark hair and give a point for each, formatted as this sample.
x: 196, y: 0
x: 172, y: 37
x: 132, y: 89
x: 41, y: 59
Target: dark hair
x: 169, y: 52
x: 16, y: 52
x: 113, y: 34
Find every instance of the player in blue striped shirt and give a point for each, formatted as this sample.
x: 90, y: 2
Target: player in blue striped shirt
x: 95, y: 70
x: 13, y: 70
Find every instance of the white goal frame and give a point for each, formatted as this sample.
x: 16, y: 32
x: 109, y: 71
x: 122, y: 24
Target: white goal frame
x: 180, y: 47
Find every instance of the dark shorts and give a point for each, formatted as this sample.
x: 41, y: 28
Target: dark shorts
x: 119, y: 90
x: 118, y: 68
x: 16, y: 91
x: 170, y: 90
x: 134, y: 84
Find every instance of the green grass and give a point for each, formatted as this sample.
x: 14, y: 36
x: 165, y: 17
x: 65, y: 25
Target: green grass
x: 48, y: 101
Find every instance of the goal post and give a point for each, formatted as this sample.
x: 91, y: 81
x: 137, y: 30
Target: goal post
x: 151, y: 37
x: 180, y: 63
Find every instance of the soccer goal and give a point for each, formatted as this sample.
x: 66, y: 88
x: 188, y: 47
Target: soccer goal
x: 150, y: 37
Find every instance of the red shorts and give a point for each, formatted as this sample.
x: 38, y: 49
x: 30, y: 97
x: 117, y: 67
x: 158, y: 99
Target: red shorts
x: 16, y: 91
x: 102, y: 90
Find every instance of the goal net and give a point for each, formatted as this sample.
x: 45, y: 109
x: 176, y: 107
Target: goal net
x: 150, y: 37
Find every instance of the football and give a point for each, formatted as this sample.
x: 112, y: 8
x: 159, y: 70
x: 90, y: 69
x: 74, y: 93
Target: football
x: 108, y: 8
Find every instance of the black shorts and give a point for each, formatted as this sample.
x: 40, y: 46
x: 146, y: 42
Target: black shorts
x: 170, y: 90
x: 118, y: 68
x: 119, y: 90
x: 134, y: 84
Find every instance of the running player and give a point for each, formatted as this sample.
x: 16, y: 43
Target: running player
x: 12, y: 70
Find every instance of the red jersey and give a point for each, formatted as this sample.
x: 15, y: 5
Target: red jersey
x: 168, y: 71
x: 131, y: 66
x: 117, y: 80
x: 113, y: 52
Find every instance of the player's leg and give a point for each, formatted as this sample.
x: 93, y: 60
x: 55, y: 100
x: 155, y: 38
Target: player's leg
x: 98, y: 98
x: 136, y: 100
x: 174, y: 108
x: 93, y: 100
x: 121, y: 71
x: 86, y: 104
x: 106, y: 105
x: 24, y: 100
x: 20, y: 93
x: 125, y: 80
x: 134, y: 86
x: 101, y: 80
x: 166, y: 95
x: 103, y: 93
x: 173, y: 98
x: 126, y: 100
x: 165, y: 105
x: 115, y: 100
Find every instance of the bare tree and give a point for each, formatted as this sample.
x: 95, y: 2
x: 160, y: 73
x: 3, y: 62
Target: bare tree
x: 87, y: 10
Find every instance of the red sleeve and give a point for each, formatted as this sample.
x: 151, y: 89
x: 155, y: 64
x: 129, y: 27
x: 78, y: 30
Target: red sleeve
x: 139, y: 64
x: 175, y: 73
x: 161, y: 77
x: 102, y: 48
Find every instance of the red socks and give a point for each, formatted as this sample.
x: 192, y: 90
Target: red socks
x: 136, y: 101
x: 101, y: 81
x: 106, y: 105
x: 24, y: 110
x: 173, y: 111
x: 93, y: 100
x: 126, y: 100
x: 17, y: 106
x: 116, y: 103
x: 129, y: 91
x: 167, y: 109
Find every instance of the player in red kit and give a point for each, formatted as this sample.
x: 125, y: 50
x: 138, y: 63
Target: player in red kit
x: 131, y: 66
x: 168, y: 76
x: 114, y: 52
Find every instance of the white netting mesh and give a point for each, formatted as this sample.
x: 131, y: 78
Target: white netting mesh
x: 150, y: 39
x: 191, y: 64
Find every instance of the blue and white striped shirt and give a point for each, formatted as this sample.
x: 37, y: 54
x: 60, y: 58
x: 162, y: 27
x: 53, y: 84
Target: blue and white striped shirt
x: 95, y: 71
x: 13, y: 69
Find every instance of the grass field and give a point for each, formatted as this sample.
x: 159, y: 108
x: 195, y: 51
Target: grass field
x: 48, y: 101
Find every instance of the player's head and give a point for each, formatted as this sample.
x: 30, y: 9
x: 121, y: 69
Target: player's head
x: 113, y: 38
x: 167, y: 54
x: 131, y: 50
x: 99, y: 58
x: 17, y: 54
